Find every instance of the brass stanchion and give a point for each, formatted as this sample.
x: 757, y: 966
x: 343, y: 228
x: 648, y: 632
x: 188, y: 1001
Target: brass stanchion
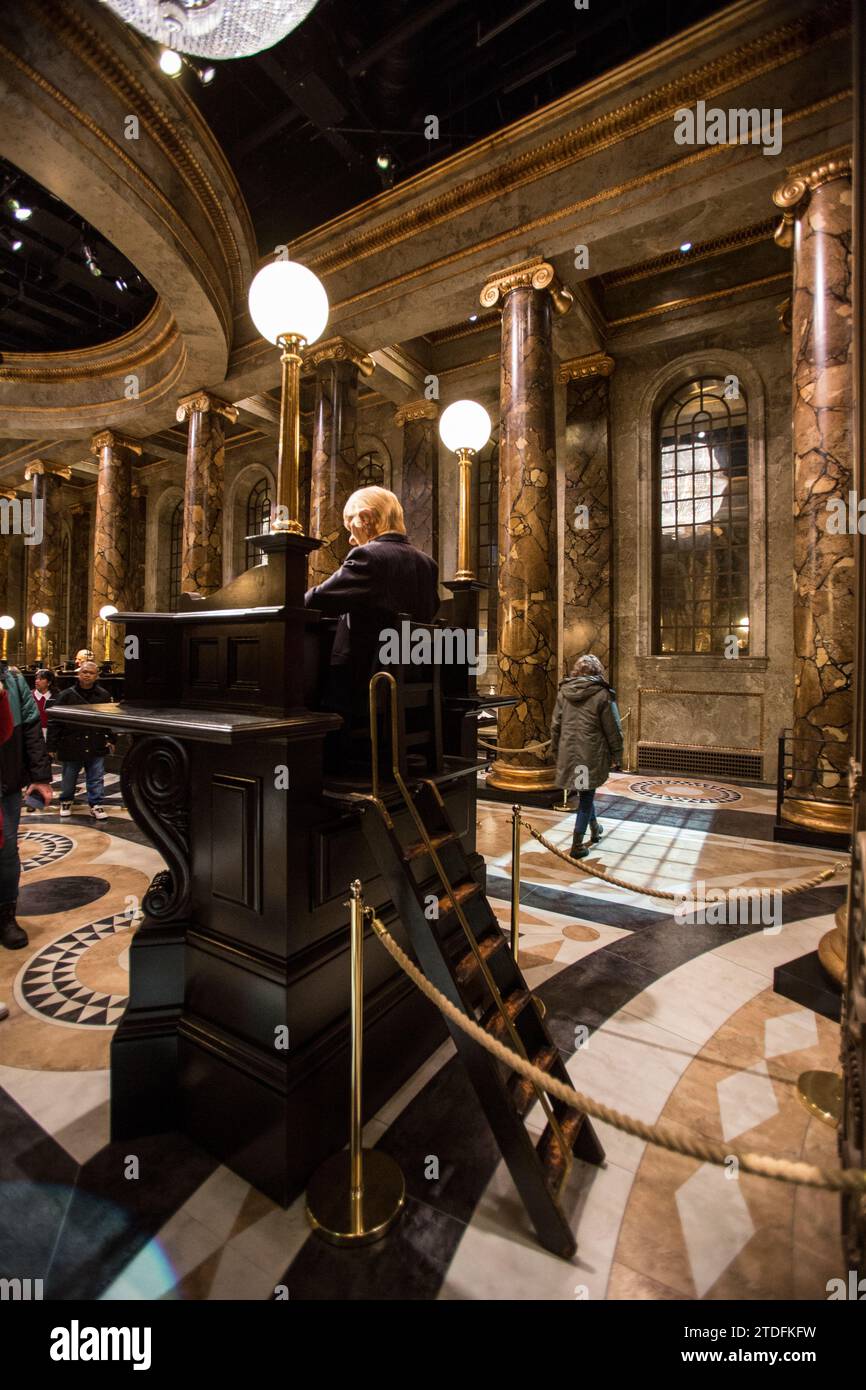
x: 515, y: 897
x: 356, y: 1196
x: 821, y: 1093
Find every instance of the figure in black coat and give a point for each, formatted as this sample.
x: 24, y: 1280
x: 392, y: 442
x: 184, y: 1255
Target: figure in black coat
x: 383, y: 575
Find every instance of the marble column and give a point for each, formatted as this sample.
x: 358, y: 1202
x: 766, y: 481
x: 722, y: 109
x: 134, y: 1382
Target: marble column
x: 112, y: 547
x: 138, y: 508
x: 201, y: 566
x: 529, y: 294
x: 80, y: 516
x: 8, y: 495
x: 420, y: 488
x: 817, y: 221
x: 43, y: 558
x: 337, y: 364
x: 586, y: 570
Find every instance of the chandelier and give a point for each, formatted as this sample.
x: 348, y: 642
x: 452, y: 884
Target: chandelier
x: 214, y: 28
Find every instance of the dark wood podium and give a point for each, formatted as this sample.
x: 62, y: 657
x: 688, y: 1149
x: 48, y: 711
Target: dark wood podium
x: 236, y: 1031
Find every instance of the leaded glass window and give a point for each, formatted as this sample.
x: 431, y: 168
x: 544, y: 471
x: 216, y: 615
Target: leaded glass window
x: 258, y: 521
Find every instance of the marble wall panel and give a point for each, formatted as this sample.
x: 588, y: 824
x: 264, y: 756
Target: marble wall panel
x: 586, y: 570
x: 334, y: 463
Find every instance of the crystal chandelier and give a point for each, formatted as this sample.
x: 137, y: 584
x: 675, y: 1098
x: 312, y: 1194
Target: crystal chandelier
x: 214, y: 28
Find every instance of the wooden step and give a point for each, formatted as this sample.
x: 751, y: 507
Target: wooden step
x: 462, y: 892
x: 550, y: 1151
x: 522, y: 1091
x: 467, y: 966
x: 415, y: 851
x: 493, y: 1023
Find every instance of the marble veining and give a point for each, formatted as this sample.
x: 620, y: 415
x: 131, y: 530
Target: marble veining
x: 334, y: 463
x: 588, y: 538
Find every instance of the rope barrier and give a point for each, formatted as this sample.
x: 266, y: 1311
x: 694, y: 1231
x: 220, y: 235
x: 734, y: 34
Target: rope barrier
x: 501, y: 748
x: 761, y: 1165
x: 799, y: 887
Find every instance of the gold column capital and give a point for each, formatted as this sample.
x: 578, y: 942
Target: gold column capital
x: 9, y: 494
x: 339, y: 350
x: 793, y: 194
x: 416, y: 410
x: 593, y: 364
x: 39, y: 468
x: 203, y: 401
x: 111, y: 439
x: 536, y: 273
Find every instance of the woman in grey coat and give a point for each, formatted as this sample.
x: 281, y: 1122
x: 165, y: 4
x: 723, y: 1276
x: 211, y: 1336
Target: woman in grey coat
x: 586, y: 740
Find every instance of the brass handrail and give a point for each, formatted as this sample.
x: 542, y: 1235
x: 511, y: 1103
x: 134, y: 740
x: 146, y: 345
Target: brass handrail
x: 385, y: 676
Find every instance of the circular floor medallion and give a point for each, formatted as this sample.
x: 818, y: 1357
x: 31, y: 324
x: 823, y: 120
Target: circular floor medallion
x: 685, y: 791
x: 55, y: 895
x: 41, y: 847
x: 52, y: 984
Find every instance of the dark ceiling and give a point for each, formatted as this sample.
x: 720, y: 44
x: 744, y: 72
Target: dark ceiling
x: 51, y: 298
x: 302, y: 123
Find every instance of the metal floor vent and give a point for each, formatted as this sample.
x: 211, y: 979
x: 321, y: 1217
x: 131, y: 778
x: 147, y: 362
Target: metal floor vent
x: 718, y: 762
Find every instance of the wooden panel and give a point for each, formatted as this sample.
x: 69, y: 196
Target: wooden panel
x: 204, y: 662
x: 244, y: 663
x: 236, y: 840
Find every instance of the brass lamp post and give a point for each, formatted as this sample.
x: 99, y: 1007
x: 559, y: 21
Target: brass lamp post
x: 39, y: 621
x: 107, y: 611
x: 6, y: 626
x: 289, y: 307
x: 464, y: 428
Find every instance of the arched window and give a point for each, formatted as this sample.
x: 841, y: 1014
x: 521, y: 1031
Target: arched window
x: 371, y: 469
x: 258, y: 520
x: 175, y: 553
x: 701, y: 510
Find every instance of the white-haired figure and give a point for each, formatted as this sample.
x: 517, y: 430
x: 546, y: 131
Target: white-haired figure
x: 382, y: 575
x: 586, y: 741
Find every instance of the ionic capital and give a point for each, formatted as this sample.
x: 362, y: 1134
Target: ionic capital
x: 793, y: 195
x: 339, y: 350
x: 536, y: 273
x: 594, y: 364
x: 203, y: 401
x: 39, y: 468
x: 416, y: 410
x: 110, y: 439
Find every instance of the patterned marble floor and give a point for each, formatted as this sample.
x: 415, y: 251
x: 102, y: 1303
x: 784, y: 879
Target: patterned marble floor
x: 677, y: 1022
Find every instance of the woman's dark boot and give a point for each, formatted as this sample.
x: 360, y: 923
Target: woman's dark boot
x: 13, y: 937
x: 595, y: 831
x: 578, y: 849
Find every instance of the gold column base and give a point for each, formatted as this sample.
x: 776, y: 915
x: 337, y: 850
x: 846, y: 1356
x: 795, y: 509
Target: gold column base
x: 521, y: 779
x: 833, y: 816
x: 342, y: 1219
x: 821, y: 1093
x: 833, y: 947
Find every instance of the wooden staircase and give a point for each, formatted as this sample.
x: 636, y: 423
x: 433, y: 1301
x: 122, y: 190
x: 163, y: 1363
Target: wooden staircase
x: 460, y: 947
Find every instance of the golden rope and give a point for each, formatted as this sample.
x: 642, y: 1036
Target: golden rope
x: 799, y: 887
x: 762, y: 1165
x: 501, y: 747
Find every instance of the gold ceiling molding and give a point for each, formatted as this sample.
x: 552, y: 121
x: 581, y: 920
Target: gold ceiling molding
x: 763, y: 54
x: 68, y: 23
x: 673, y: 304
x: 416, y: 410
x: 546, y: 219
x: 718, y: 246
x: 205, y: 403
x: 469, y: 366
x: 339, y: 350
x: 140, y: 177
x: 793, y: 195
x: 113, y: 440
x: 463, y: 330
x: 536, y: 274
x: 101, y: 408
x: 578, y: 368
x: 117, y: 360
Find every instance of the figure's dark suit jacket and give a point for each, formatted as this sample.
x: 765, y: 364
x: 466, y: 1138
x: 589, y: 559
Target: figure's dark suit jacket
x: 375, y: 582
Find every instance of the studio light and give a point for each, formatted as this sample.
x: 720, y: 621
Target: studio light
x: 206, y: 75
x: 17, y: 243
x: 464, y: 428
x: 685, y: 246
x: 214, y: 28
x: 121, y: 284
x: 19, y: 211
x: 170, y: 62
x: 91, y: 263
x: 289, y: 307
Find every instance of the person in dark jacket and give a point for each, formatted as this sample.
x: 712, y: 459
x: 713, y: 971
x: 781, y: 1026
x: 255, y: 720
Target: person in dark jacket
x: 586, y: 741
x: 81, y: 745
x: 44, y: 691
x: 383, y: 575
x: 24, y: 762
